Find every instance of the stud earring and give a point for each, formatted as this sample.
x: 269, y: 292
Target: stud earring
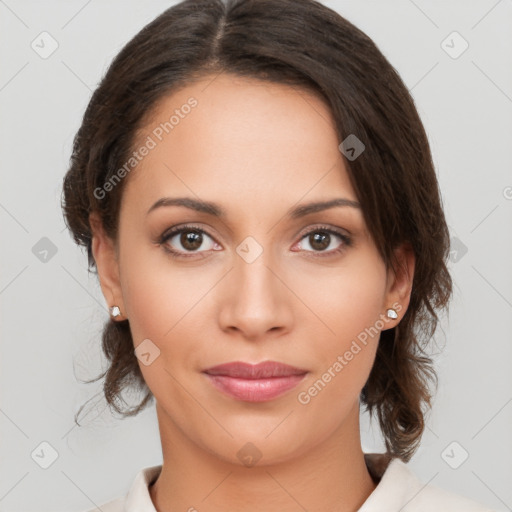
x: 391, y: 313
x: 115, y: 311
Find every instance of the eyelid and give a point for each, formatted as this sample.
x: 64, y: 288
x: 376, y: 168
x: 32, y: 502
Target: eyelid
x: 174, y: 230
x: 339, y: 232
x: 323, y: 227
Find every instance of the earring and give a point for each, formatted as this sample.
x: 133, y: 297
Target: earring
x: 391, y: 313
x: 115, y: 311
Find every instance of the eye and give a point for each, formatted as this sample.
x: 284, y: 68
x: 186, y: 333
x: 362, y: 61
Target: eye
x: 190, y: 238
x: 321, y: 238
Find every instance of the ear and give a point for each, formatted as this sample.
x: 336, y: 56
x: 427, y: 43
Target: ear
x: 105, y: 256
x: 399, y: 283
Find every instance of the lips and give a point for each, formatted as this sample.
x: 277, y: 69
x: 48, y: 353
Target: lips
x: 264, y: 370
x: 254, y: 383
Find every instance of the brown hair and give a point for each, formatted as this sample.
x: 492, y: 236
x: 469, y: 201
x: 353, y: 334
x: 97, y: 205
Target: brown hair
x: 304, y: 44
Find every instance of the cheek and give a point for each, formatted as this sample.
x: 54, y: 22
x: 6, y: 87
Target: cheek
x: 361, y: 302
x: 349, y: 307
x: 150, y: 291
x: 162, y: 298
x: 159, y: 300
x: 345, y: 301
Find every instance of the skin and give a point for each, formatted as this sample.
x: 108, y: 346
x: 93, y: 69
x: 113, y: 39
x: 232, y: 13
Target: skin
x: 257, y: 149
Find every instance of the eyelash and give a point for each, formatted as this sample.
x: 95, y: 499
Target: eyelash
x: 347, y: 241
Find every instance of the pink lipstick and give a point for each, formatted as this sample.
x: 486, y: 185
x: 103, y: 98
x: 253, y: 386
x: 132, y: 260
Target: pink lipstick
x: 254, y: 382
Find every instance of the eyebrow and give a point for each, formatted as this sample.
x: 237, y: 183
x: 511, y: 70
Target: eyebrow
x: 217, y: 211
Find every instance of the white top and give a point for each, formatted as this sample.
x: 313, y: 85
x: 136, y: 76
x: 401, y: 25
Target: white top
x: 398, y: 489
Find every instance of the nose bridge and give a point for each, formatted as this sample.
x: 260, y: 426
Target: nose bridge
x: 254, y: 272
x: 256, y: 299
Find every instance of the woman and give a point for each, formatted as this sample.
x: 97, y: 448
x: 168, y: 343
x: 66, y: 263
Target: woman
x: 255, y: 188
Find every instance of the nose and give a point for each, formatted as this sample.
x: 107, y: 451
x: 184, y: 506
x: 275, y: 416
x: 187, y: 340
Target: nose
x: 256, y: 302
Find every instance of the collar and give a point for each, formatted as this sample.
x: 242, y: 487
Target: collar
x: 395, y: 482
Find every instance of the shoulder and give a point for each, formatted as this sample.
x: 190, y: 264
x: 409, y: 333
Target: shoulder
x: 400, y: 489
x: 435, y: 498
x: 137, y: 498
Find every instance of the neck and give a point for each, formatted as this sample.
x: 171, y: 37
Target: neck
x: 330, y: 477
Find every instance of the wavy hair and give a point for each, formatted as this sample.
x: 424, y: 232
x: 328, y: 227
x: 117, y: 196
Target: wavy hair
x: 304, y: 44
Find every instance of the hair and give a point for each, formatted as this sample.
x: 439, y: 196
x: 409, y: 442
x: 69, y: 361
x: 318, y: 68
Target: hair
x: 304, y: 44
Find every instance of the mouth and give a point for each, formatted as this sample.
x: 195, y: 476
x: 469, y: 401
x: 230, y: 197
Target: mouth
x: 254, y: 382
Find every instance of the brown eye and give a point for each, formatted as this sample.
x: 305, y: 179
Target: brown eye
x: 186, y: 241
x: 321, y: 239
x: 191, y: 240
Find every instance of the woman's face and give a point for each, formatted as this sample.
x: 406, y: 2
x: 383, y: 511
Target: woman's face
x: 264, y: 277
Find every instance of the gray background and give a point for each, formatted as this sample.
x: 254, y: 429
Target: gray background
x: 52, y: 311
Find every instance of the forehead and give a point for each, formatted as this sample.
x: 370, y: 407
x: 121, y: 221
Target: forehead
x: 225, y: 137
